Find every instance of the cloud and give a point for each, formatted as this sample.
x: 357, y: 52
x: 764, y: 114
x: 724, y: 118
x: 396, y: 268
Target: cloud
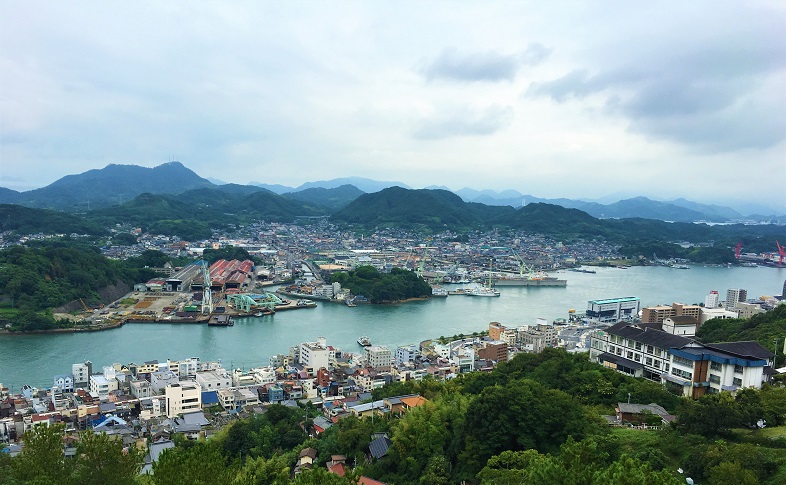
x: 482, y: 66
x: 465, y: 122
x: 698, y: 97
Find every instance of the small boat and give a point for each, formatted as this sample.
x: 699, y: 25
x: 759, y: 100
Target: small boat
x: 482, y: 291
x: 349, y: 302
x: 438, y: 292
x: 364, y: 341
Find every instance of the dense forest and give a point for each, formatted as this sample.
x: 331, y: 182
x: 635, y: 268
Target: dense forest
x: 536, y: 419
x: 398, y: 285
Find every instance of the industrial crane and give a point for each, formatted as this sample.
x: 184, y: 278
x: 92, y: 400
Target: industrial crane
x: 781, y: 252
x: 738, y: 250
x: 207, y: 296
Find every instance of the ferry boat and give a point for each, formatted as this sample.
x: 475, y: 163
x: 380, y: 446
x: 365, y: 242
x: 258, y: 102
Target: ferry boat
x: 364, y: 341
x: 350, y: 302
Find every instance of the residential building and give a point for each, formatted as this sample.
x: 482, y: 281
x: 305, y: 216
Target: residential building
x: 212, y: 380
x: 378, y: 357
x: 100, y: 386
x: 747, y: 310
x: 141, y: 389
x: 712, y: 300
x: 64, y: 382
x: 314, y: 355
x: 82, y: 373
x: 182, y: 397
x: 613, y: 310
x: 495, y: 350
x: 463, y: 360
x: 159, y: 380
x: 658, y: 313
x: 535, y: 338
x: 407, y: 353
x: 734, y: 296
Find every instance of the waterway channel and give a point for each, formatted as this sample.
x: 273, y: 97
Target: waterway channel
x: 35, y: 359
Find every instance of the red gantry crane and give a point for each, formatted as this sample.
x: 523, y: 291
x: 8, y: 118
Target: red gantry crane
x: 781, y: 252
x: 738, y: 250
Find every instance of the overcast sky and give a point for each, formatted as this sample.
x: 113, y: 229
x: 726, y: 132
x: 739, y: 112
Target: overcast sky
x: 554, y: 99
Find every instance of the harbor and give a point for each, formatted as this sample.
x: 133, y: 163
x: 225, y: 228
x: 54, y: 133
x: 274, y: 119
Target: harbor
x: 252, y: 340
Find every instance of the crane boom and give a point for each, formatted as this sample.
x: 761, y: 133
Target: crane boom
x: 207, y: 295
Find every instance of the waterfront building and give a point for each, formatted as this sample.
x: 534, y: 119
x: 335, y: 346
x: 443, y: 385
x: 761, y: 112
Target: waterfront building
x: 264, y: 375
x: 159, y: 380
x: 658, y: 313
x: 463, y: 360
x: 734, y: 296
x: 535, y: 338
x: 407, y: 353
x: 64, y: 382
x: 101, y: 386
x: 613, y: 310
x: 678, y: 361
x: 314, y: 355
x: 378, y: 357
x: 184, y: 368
x: 183, y: 397
x: 82, y: 373
x: 211, y: 380
x: 712, y: 300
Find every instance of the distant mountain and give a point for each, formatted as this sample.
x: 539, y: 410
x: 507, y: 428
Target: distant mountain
x: 557, y: 221
x: 26, y: 220
x: 709, y: 209
x: 437, y: 187
x: 275, y: 188
x: 647, y: 209
x: 364, y: 184
x: 113, y: 184
x: 216, y: 181
x: 8, y: 196
x: 330, y: 198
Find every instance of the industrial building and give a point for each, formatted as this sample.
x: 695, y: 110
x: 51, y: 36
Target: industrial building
x: 613, y: 310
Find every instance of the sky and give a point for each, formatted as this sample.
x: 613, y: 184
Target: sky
x: 554, y: 99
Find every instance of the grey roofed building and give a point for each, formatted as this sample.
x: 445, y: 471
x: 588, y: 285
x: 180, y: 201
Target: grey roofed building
x: 648, y: 336
x: 632, y: 408
x: 744, y: 349
x: 155, y: 451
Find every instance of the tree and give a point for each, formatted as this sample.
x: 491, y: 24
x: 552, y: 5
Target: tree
x: 42, y: 460
x: 731, y: 473
x: 101, y: 459
x: 202, y: 464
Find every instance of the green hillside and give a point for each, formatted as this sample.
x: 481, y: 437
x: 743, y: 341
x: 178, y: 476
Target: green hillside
x: 332, y: 199
x: 25, y: 220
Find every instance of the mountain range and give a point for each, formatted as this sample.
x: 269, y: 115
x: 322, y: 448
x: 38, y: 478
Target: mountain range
x: 116, y: 184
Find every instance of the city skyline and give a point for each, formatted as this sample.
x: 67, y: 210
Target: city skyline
x: 553, y: 100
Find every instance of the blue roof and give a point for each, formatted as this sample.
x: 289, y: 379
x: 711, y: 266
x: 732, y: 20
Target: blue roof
x: 209, y: 397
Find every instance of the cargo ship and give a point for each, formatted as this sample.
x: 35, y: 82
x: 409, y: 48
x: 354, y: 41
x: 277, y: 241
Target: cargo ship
x: 534, y: 279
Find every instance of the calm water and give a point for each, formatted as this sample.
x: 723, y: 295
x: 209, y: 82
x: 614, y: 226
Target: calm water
x: 34, y: 359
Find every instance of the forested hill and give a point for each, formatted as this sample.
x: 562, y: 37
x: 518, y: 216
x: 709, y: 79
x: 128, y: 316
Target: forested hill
x: 25, y: 220
x: 765, y: 328
x: 397, y: 285
x: 434, y: 210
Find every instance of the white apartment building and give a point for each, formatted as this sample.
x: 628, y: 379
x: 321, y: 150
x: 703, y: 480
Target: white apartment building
x: 81, y: 373
x: 712, y: 300
x: 141, y: 389
x: 463, y: 360
x: 264, y: 375
x: 719, y: 312
x: 314, y: 355
x: 159, y: 380
x: 378, y: 357
x: 182, y: 397
x: 101, y: 386
x: 407, y: 353
x: 212, y: 380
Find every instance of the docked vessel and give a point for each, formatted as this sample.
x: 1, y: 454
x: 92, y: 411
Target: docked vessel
x: 220, y: 321
x: 439, y: 292
x: 533, y: 279
x: 482, y: 291
x: 364, y: 341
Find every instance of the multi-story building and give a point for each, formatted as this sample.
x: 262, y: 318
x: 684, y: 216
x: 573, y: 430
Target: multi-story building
x: 734, y: 296
x: 535, y: 338
x: 463, y: 360
x: 685, y: 326
x: 378, y: 357
x: 212, y: 380
x: 64, y: 382
x: 496, y: 351
x: 141, y: 389
x: 101, y: 386
x: 658, y: 313
x: 711, y: 313
x: 407, y: 353
x: 82, y: 373
x: 314, y: 355
x: 613, y: 310
x: 747, y: 310
x: 159, y: 380
x: 712, y: 300
x: 678, y: 361
x: 183, y: 397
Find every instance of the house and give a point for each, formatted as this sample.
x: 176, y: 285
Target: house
x: 379, y: 446
x: 632, y: 413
